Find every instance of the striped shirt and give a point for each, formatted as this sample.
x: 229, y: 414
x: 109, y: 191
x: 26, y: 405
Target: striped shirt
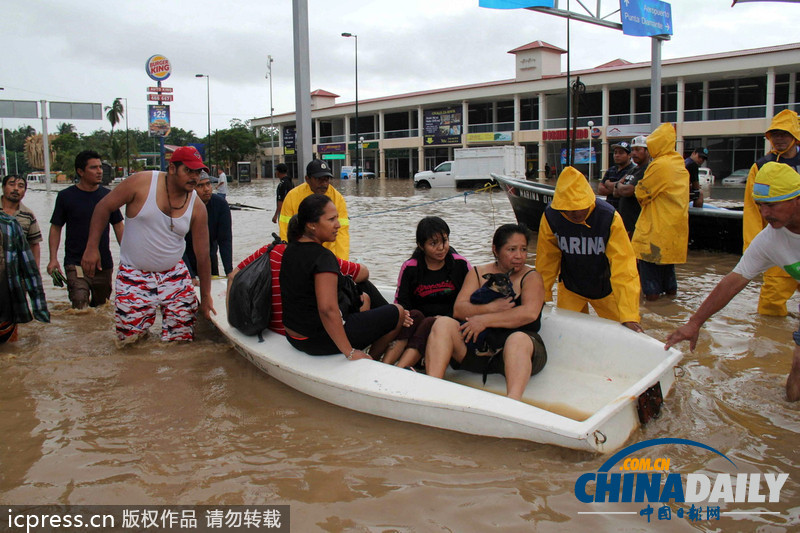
x: 30, y: 227
x: 348, y: 268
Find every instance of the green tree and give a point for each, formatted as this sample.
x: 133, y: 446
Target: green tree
x: 66, y: 145
x: 15, y: 149
x: 65, y: 128
x: 114, y: 114
x: 237, y: 143
x: 181, y: 137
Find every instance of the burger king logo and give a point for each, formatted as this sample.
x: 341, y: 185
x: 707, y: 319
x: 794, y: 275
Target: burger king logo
x: 158, y: 67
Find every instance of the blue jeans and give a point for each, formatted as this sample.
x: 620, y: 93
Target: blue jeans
x: 657, y: 279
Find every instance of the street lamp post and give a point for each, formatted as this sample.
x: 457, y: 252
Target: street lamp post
x: 591, y: 125
x: 271, y: 123
x: 3, y: 136
x: 356, y: 135
x: 127, y: 139
x: 208, y: 102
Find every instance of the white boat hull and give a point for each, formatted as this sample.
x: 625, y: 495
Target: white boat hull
x: 585, y: 398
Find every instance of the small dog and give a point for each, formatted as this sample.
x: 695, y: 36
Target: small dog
x: 496, y: 286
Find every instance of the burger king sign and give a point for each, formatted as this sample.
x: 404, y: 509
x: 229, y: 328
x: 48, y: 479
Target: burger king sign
x: 158, y: 68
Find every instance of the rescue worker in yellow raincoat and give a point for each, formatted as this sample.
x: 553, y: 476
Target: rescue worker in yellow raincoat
x: 584, y: 242
x: 784, y: 135
x: 318, y: 181
x: 661, y: 237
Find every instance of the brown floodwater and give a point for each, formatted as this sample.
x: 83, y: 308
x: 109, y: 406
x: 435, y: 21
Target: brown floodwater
x: 84, y: 422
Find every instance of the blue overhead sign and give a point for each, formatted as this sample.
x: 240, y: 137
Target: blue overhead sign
x: 645, y: 18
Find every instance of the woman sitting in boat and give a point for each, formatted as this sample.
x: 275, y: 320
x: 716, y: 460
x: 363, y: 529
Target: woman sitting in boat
x: 427, y: 286
x: 497, y: 337
x: 309, y: 282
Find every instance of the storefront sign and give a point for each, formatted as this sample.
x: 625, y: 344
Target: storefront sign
x: 289, y: 133
x: 489, y: 137
x: 561, y: 135
x: 442, y: 126
x: 334, y: 148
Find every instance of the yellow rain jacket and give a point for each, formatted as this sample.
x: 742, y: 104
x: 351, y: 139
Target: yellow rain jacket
x: 662, y: 231
x: 341, y: 246
x: 573, y: 193
x: 778, y: 286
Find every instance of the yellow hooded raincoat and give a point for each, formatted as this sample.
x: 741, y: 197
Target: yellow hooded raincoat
x: 662, y: 231
x: 778, y: 286
x: 573, y: 193
x: 341, y: 246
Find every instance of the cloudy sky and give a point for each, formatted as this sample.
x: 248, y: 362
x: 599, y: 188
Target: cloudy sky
x: 95, y: 50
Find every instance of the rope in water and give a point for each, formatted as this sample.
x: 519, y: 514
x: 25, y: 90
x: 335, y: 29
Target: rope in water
x: 485, y: 188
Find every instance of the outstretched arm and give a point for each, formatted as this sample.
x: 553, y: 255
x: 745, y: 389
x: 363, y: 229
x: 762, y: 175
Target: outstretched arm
x: 726, y: 289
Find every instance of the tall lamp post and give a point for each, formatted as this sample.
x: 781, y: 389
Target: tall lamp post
x: 208, y: 101
x: 271, y: 123
x: 591, y: 125
x: 127, y: 138
x: 356, y: 135
x: 3, y: 136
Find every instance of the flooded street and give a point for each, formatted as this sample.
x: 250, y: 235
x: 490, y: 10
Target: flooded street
x: 82, y: 422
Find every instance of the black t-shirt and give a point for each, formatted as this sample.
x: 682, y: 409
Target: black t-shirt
x: 694, y: 177
x: 629, y: 207
x: 284, y: 187
x: 74, y: 207
x: 435, y: 291
x: 613, y: 175
x: 301, y: 262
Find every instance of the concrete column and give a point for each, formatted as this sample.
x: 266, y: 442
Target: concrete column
x: 681, y: 103
x: 705, y: 100
x: 464, y: 122
x: 347, y: 140
x: 517, y: 113
x: 770, y: 103
x: 792, y: 91
x: 317, y: 130
x: 542, y: 118
x: 381, y: 151
x: 632, y: 105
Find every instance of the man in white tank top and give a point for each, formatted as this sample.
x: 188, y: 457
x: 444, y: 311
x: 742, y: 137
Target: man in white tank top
x: 160, y: 208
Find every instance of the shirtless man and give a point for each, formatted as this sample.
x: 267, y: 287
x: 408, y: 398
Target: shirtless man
x: 160, y: 208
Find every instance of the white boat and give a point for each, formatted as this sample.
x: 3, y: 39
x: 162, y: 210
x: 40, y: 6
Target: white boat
x: 585, y: 398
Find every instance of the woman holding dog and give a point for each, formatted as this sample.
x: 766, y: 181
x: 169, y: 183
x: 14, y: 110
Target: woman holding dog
x: 309, y: 282
x: 507, y: 325
x: 427, y: 286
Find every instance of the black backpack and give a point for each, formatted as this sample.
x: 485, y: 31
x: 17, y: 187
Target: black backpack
x: 250, y: 295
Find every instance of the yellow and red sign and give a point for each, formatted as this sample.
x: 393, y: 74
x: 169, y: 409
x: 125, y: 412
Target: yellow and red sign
x: 158, y: 67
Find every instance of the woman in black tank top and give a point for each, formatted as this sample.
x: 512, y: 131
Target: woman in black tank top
x: 520, y: 353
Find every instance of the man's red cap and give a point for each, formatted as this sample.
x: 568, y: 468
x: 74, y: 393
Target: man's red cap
x: 189, y: 156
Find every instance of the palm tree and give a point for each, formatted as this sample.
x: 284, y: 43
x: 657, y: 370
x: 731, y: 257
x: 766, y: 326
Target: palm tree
x: 65, y: 128
x: 114, y: 113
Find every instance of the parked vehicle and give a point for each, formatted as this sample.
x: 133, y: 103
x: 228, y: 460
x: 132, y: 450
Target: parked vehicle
x: 705, y: 175
x: 737, y: 177
x: 473, y: 166
x: 349, y: 172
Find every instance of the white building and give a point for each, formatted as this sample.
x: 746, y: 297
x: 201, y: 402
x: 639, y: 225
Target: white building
x: 722, y: 101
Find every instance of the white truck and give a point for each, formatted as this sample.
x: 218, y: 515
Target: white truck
x: 473, y: 166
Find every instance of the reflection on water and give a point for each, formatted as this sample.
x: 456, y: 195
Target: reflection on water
x: 84, y: 422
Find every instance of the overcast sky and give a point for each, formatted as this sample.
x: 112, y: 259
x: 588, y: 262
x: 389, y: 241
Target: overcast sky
x: 94, y: 51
